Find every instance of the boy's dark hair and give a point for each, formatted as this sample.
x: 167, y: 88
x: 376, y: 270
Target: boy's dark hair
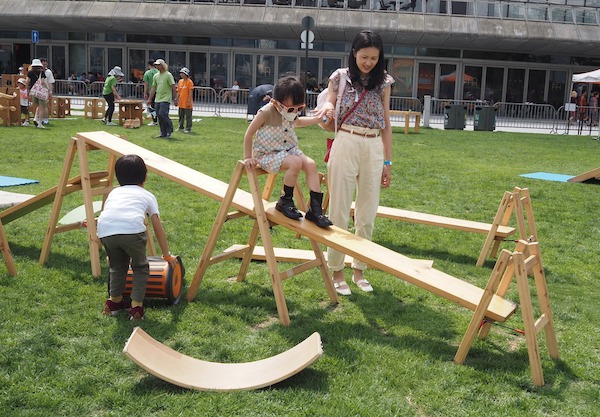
x: 367, y: 39
x: 289, y: 86
x: 130, y: 170
x: 151, y: 62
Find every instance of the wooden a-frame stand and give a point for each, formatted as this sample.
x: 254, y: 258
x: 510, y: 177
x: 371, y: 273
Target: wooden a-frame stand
x: 92, y: 184
x: 261, y: 227
x: 519, y: 203
x: 525, y: 260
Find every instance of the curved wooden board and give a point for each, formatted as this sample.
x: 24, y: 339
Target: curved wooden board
x: 187, y: 372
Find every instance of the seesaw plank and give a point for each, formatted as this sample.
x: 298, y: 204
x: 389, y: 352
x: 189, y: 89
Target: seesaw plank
x: 300, y: 255
x: 440, y: 221
x: 400, y: 266
x: 187, y: 372
x: 594, y: 173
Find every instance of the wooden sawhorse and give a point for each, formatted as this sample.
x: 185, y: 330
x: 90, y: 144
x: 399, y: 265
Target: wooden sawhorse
x: 261, y: 227
x: 520, y: 265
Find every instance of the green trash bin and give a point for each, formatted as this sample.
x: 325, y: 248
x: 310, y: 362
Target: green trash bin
x: 484, y: 118
x: 455, y: 116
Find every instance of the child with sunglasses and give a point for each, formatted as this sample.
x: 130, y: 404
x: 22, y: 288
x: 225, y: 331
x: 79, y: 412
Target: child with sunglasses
x: 271, y: 143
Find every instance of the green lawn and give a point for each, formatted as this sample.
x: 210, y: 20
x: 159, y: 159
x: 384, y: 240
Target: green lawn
x: 387, y: 353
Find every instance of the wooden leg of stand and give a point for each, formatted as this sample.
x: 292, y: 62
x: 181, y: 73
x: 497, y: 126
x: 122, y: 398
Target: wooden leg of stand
x: 216, y: 230
x: 478, y: 316
x: 58, y: 199
x: 8, y: 259
x: 265, y: 232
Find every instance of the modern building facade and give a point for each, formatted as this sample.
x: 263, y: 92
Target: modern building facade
x: 492, y: 50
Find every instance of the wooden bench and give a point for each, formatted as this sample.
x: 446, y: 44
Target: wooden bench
x: 407, y: 115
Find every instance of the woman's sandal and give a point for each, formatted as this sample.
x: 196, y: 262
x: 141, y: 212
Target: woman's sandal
x: 363, y: 284
x: 342, y: 288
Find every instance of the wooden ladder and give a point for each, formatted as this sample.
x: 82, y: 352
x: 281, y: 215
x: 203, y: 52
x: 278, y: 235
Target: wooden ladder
x: 525, y: 260
x: 260, y: 228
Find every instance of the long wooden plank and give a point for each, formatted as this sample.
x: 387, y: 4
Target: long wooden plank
x: 369, y: 252
x: 440, y: 221
x: 167, y: 168
x: 594, y: 173
x: 185, y: 371
x: 296, y: 255
x: 45, y: 198
x: 400, y: 266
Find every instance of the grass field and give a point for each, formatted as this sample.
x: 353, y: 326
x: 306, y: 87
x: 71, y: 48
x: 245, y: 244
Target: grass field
x: 387, y: 353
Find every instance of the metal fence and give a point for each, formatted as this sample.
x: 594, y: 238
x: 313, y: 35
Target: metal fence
x: 584, y: 119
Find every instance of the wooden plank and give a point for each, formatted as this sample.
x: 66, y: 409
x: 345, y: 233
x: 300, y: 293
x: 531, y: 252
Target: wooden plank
x: 45, y: 198
x: 400, y: 266
x: 187, y: 372
x: 174, y: 171
x: 295, y: 255
x: 594, y: 173
x: 440, y: 221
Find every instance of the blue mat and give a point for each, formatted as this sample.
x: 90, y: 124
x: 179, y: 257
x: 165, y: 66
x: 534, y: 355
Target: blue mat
x: 10, y: 181
x: 548, y: 176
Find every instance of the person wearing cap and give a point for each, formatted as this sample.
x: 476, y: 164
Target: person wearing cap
x: 110, y: 94
x: 184, y: 98
x: 36, y: 73
x: 148, y: 83
x: 50, y: 82
x: 22, y: 83
x: 163, y: 91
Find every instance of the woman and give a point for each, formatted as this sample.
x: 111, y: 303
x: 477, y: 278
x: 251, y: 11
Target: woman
x: 361, y: 155
x: 110, y: 94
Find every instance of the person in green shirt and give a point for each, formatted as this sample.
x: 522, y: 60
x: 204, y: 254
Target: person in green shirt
x: 148, y: 83
x: 110, y: 94
x: 163, y: 91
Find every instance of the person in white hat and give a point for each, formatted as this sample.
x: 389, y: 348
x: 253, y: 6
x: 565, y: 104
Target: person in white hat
x: 184, y: 99
x: 148, y: 83
x: 36, y: 73
x: 22, y: 83
x: 111, y: 94
x: 163, y: 91
x: 50, y: 82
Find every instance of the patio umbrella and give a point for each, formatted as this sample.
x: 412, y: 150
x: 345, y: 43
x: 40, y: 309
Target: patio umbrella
x: 452, y: 77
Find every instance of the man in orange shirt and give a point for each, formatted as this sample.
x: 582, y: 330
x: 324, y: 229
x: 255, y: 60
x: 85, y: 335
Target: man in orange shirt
x: 185, y: 94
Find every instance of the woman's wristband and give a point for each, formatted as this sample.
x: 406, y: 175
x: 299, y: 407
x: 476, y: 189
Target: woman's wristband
x: 389, y: 163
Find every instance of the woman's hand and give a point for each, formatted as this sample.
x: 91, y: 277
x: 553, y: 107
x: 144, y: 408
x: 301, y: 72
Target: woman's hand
x: 386, y: 176
x: 324, y: 112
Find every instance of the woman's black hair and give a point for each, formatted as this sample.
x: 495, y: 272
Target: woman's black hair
x: 130, y: 170
x: 289, y: 86
x: 367, y: 39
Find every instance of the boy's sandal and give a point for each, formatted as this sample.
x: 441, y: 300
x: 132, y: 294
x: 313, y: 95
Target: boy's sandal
x: 342, y: 288
x: 363, y: 284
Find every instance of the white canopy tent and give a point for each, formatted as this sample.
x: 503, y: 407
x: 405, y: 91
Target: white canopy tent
x: 587, y: 77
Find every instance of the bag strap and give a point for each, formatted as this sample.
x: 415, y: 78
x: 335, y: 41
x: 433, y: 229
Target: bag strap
x: 353, y: 108
x: 341, y: 88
